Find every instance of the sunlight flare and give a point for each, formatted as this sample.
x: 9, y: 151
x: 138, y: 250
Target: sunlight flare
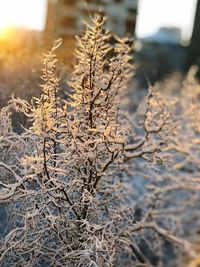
x: 5, y: 32
x: 21, y: 13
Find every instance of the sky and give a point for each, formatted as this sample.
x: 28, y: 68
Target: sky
x: 23, y: 13
x: 153, y: 14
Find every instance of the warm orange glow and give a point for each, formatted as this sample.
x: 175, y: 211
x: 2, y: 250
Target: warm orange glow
x: 21, y: 13
x: 5, y: 33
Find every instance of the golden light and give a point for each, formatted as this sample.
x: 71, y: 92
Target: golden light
x: 21, y: 13
x: 4, y: 33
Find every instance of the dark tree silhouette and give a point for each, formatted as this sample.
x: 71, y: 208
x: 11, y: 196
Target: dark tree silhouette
x: 194, y: 48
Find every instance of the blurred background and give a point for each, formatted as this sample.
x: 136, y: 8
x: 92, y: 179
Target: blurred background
x: 166, y: 33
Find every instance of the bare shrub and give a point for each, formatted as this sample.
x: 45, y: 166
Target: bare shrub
x: 71, y: 194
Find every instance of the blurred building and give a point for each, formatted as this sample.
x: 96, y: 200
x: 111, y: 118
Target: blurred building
x: 65, y: 17
x: 160, y: 55
x: 169, y: 35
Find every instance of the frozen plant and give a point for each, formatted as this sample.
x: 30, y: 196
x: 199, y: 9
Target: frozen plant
x: 71, y: 200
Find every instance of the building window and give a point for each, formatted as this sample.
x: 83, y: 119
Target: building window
x: 130, y: 26
x: 68, y: 22
x: 68, y: 3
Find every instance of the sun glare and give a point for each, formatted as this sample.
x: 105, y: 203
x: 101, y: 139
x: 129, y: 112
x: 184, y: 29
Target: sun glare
x: 21, y: 13
x: 5, y: 32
